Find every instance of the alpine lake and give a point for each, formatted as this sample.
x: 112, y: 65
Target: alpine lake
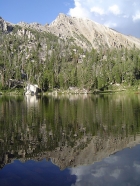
x: 70, y: 140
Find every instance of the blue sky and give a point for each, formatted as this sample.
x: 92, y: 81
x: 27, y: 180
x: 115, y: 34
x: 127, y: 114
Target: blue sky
x: 41, y: 11
x: 121, y: 15
x: 121, y: 168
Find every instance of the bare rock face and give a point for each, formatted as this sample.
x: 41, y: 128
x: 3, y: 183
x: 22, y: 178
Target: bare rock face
x: 5, y: 26
x: 90, y: 34
x: 97, y: 149
x: 34, y: 25
x: 83, y: 32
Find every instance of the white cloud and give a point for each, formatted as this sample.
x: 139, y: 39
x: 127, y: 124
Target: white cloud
x: 78, y: 10
x: 136, y: 166
x: 112, y: 170
x: 111, y: 159
x: 120, y: 14
x: 126, y: 16
x: 100, y: 172
x: 136, y: 17
x: 88, y: 174
x: 97, y: 10
x: 110, y: 24
x: 116, y: 173
x: 114, y: 9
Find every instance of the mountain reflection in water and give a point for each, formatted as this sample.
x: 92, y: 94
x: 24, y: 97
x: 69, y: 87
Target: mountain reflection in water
x: 73, y: 132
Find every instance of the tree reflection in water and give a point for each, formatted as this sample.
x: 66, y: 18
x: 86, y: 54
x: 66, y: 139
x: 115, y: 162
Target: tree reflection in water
x: 70, y: 130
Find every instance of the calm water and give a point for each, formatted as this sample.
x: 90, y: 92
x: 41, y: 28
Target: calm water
x: 72, y: 140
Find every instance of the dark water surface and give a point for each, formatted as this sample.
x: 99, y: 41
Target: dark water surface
x: 70, y: 140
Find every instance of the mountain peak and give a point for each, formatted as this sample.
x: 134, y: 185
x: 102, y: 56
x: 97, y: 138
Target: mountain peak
x: 5, y: 26
x: 62, y: 15
x: 85, y: 33
x: 88, y: 33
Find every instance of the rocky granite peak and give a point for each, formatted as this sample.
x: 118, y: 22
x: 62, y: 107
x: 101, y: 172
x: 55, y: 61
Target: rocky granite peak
x: 35, y: 25
x: 83, y: 32
x: 5, y: 26
x: 90, y: 34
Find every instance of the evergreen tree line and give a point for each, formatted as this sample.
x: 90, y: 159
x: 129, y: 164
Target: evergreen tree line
x: 51, y: 62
